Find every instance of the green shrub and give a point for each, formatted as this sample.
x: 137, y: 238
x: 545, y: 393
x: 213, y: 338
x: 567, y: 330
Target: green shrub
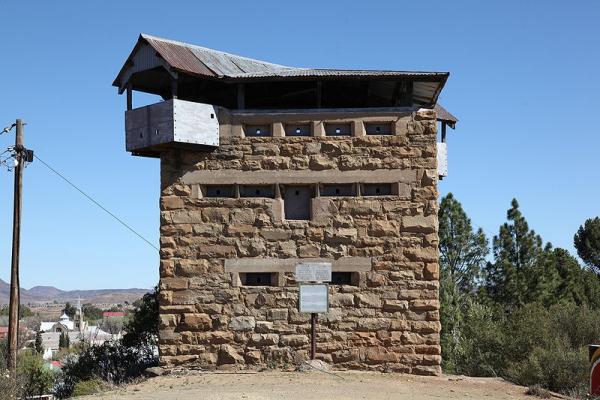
x: 534, y: 345
x: 478, y: 349
x: 37, y: 379
x: 548, y: 347
x: 557, y: 367
x: 84, y: 388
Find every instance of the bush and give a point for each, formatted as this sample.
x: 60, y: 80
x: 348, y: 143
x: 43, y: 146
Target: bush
x: 532, y: 346
x: 85, y: 388
x: 36, y: 378
x: 143, y: 326
x: 115, y: 362
x: 478, y: 350
x: 549, y: 346
x: 110, y: 362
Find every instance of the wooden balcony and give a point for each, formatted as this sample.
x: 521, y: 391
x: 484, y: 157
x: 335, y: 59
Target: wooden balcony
x: 171, y: 124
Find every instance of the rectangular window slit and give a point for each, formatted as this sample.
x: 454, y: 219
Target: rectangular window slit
x: 377, y: 189
x: 257, y: 191
x: 378, y: 128
x: 258, y: 278
x: 338, y: 190
x: 297, y: 130
x: 338, y: 129
x: 257, y: 130
x: 219, y: 191
x: 344, y: 278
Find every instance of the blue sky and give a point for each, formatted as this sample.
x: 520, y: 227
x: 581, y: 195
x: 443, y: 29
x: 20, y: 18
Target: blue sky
x: 524, y: 83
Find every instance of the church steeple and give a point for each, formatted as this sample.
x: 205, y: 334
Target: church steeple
x: 79, y: 316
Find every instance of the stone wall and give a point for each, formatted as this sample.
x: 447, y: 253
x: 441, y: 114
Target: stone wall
x: 390, y: 321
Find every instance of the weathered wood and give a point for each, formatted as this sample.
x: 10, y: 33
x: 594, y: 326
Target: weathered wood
x: 443, y: 132
x: 442, y: 159
x: 319, y: 93
x: 241, y: 96
x: 129, y: 97
x: 171, y: 122
x: 14, y: 299
x: 174, y: 88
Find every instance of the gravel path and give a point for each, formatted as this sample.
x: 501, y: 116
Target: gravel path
x: 315, y: 385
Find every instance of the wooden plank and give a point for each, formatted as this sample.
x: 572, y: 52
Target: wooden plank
x: 195, y: 123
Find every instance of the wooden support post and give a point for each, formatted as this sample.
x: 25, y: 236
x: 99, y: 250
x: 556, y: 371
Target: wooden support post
x: 443, y: 131
x: 319, y: 93
x: 313, y: 335
x: 174, y: 88
x: 13, y: 311
x: 241, y: 96
x: 129, y: 97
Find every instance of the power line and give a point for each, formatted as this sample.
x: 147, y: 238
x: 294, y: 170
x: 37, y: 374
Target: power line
x: 95, y: 202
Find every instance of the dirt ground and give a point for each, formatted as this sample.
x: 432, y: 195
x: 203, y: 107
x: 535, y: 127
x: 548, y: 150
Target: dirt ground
x: 315, y: 385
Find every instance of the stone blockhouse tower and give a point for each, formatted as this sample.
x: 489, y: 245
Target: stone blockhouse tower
x: 264, y: 166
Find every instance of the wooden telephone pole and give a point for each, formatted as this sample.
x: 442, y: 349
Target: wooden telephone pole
x: 13, y: 310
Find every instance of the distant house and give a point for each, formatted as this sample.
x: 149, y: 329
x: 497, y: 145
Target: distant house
x: 113, y: 314
x: 78, y: 331
x: 3, y: 332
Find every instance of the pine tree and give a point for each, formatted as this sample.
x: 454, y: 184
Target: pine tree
x: 517, y: 275
x: 70, y: 310
x: 462, y: 251
x: 39, y: 346
x: 462, y: 256
x: 63, y: 341
x: 587, y: 243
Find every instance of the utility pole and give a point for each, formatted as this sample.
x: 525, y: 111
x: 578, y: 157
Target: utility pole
x: 13, y: 310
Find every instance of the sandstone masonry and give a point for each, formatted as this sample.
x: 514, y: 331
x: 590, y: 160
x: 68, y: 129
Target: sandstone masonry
x: 388, y: 320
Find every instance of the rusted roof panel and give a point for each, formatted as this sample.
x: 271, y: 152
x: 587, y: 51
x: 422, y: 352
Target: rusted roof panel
x: 219, y: 65
x: 179, y: 57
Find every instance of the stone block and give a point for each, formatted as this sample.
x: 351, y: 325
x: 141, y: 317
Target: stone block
x: 277, y: 314
x: 341, y: 300
x: 395, y: 305
x: 370, y: 300
x: 275, y: 234
x: 171, y: 202
x: 216, y: 214
x: 419, y: 223
x: 294, y: 340
x: 242, y: 323
x: 200, y: 322
x: 228, y: 355
x: 309, y: 250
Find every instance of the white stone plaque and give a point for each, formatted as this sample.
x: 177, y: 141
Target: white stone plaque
x: 314, y: 298
x: 313, y: 272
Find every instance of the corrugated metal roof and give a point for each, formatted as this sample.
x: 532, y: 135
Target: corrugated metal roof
x: 444, y: 115
x: 207, y: 62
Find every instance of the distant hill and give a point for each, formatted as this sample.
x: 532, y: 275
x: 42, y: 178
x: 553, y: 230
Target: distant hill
x: 50, y: 293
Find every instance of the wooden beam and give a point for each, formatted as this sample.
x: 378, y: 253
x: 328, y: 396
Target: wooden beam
x: 319, y: 93
x: 241, y: 96
x: 129, y: 97
x: 443, y: 131
x: 174, y: 88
